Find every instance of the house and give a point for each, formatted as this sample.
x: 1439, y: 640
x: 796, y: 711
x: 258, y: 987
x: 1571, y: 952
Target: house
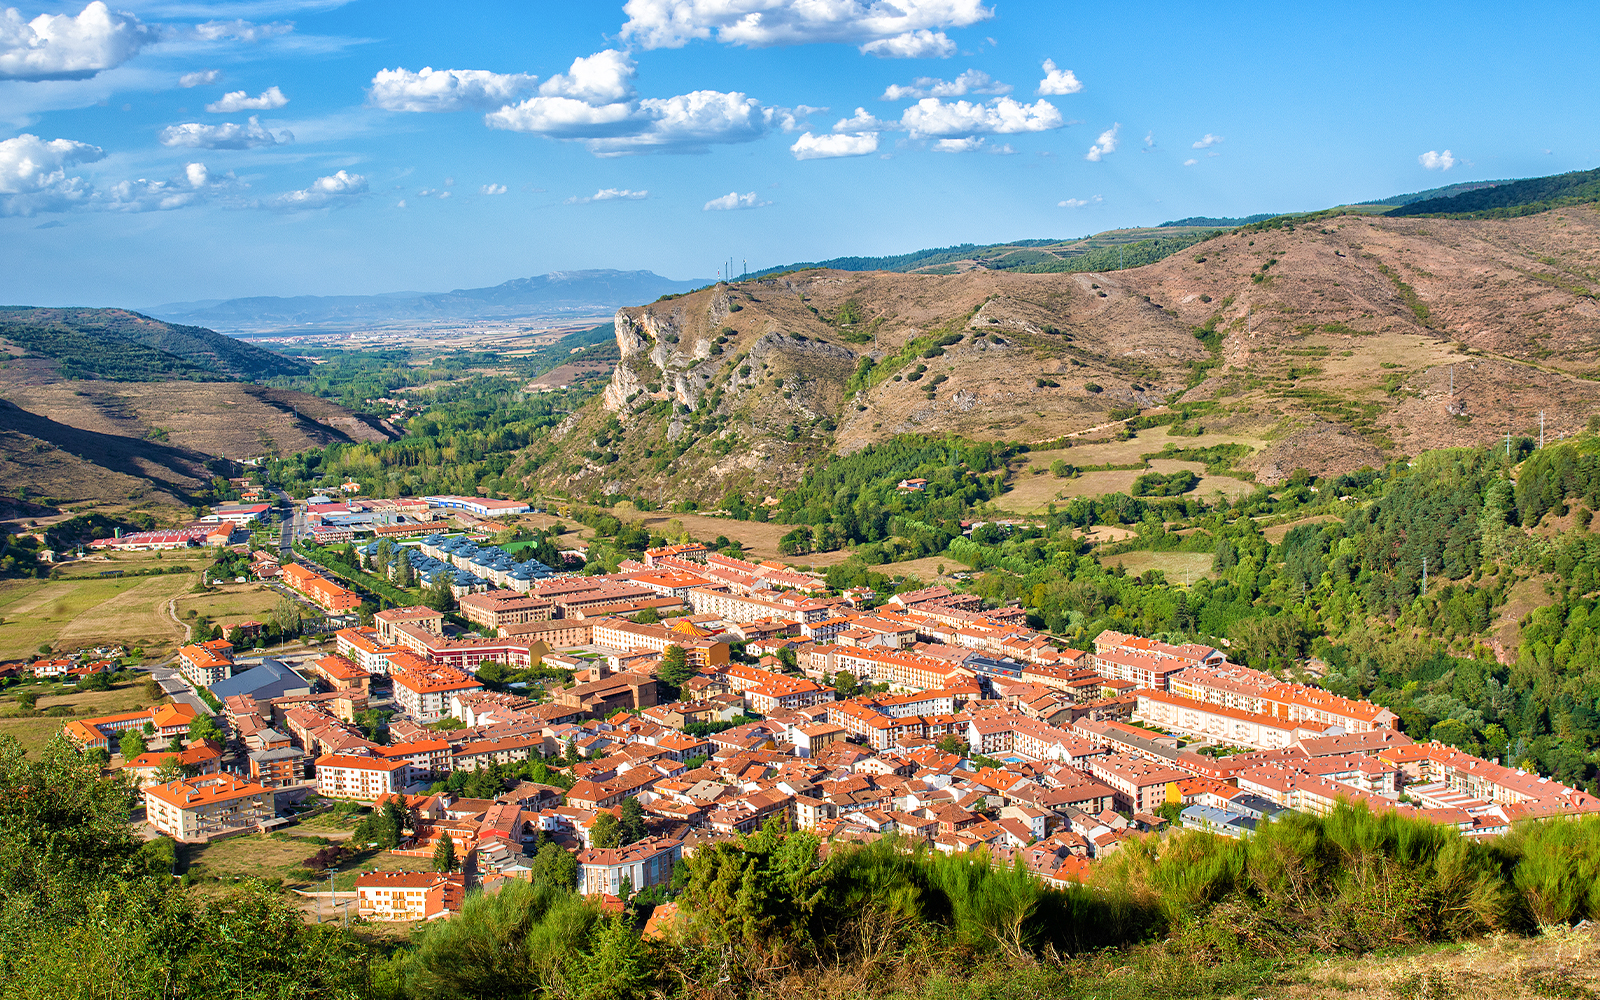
x: 602, y: 870
x: 398, y: 896
x: 203, y: 808
x: 912, y: 485
x: 168, y: 721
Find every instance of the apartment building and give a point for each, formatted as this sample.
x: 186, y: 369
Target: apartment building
x: 202, y: 808
x: 365, y: 779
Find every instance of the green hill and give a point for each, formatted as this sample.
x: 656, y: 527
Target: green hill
x: 122, y: 346
x: 1512, y: 198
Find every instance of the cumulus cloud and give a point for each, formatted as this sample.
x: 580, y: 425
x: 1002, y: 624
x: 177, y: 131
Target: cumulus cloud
x: 565, y: 118
x: 1190, y: 162
x: 966, y: 145
x: 733, y: 201
x: 1105, y: 145
x: 34, y: 178
x: 67, y: 47
x: 608, y: 194
x: 240, y: 100
x: 603, y: 78
x: 199, y: 78
x: 229, y: 135
x: 820, y: 147
x: 863, y: 121
x: 1078, y: 202
x: 1433, y: 160
x: 492, y: 189
x: 933, y: 118
x: 334, y: 191
x: 1207, y: 142
x: 446, y: 89
x: 904, y: 28
x: 1058, y: 81
x: 923, y: 44
x: 973, y: 81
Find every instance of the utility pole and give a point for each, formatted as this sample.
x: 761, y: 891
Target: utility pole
x: 330, y: 873
x: 1452, y: 381
x: 1424, y: 576
x: 1541, y: 429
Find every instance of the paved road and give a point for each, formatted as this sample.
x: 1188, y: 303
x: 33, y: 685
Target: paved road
x: 173, y: 683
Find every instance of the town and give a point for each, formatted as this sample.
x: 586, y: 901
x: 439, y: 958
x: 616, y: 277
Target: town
x: 693, y: 697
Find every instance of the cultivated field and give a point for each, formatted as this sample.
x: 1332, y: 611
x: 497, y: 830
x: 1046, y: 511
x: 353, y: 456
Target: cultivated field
x: 76, y: 614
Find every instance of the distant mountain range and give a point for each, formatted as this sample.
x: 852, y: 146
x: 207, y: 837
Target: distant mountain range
x: 577, y: 292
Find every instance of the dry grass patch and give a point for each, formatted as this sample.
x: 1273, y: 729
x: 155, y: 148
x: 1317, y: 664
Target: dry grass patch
x: 1276, y: 533
x: 75, y: 614
x: 230, y: 604
x: 1180, y: 567
x: 33, y: 732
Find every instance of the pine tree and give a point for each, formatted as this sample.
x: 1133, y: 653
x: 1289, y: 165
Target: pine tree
x: 444, y: 855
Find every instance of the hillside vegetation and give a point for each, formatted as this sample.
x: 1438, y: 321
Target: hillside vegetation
x: 1506, y: 199
x: 118, y: 345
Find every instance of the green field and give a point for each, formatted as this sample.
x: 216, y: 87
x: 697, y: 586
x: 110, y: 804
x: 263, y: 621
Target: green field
x: 1180, y: 567
x: 282, y: 855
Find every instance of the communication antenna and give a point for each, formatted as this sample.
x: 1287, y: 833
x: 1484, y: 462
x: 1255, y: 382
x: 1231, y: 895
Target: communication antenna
x: 1452, y: 381
x: 1424, y: 576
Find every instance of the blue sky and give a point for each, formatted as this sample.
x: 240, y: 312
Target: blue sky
x: 164, y: 150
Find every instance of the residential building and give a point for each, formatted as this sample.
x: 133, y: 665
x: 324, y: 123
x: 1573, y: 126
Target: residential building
x: 199, y: 809
x: 405, y: 896
x: 345, y: 776
x: 646, y: 863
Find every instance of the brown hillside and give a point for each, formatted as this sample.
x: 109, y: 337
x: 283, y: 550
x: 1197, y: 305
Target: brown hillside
x: 133, y: 443
x: 1338, y: 341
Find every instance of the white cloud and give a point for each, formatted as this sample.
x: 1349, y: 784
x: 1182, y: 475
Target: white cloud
x: 902, y: 24
x: 241, y: 31
x: 64, y: 47
x: 794, y: 119
x: 966, y: 145
x: 1190, y: 163
x: 333, y: 191
x: 863, y: 121
x: 446, y: 89
x: 923, y: 44
x: 1207, y: 142
x: 1004, y: 149
x: 240, y: 100
x: 1058, y: 81
x: 734, y: 200
x: 1079, y: 202
x: 229, y: 135
x: 973, y: 81
x: 564, y: 118
x: 608, y: 194
x: 603, y: 78
x: 199, y: 78
x: 1433, y: 160
x: 932, y: 118
x: 492, y: 189
x: 33, y: 174
x: 821, y: 147
x: 688, y: 123
x: 1105, y: 145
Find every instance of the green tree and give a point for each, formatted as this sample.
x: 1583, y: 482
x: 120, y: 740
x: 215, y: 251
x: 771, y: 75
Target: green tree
x: 444, y: 855
x: 402, y: 573
x: 204, y: 727
x: 674, y: 670
x: 27, y: 700
x: 152, y: 690
x: 845, y: 684
x: 649, y: 616
x: 555, y: 866
x: 439, y: 597
x: 632, y: 826
x: 170, y: 770
x: 132, y: 744
x: 606, y: 832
